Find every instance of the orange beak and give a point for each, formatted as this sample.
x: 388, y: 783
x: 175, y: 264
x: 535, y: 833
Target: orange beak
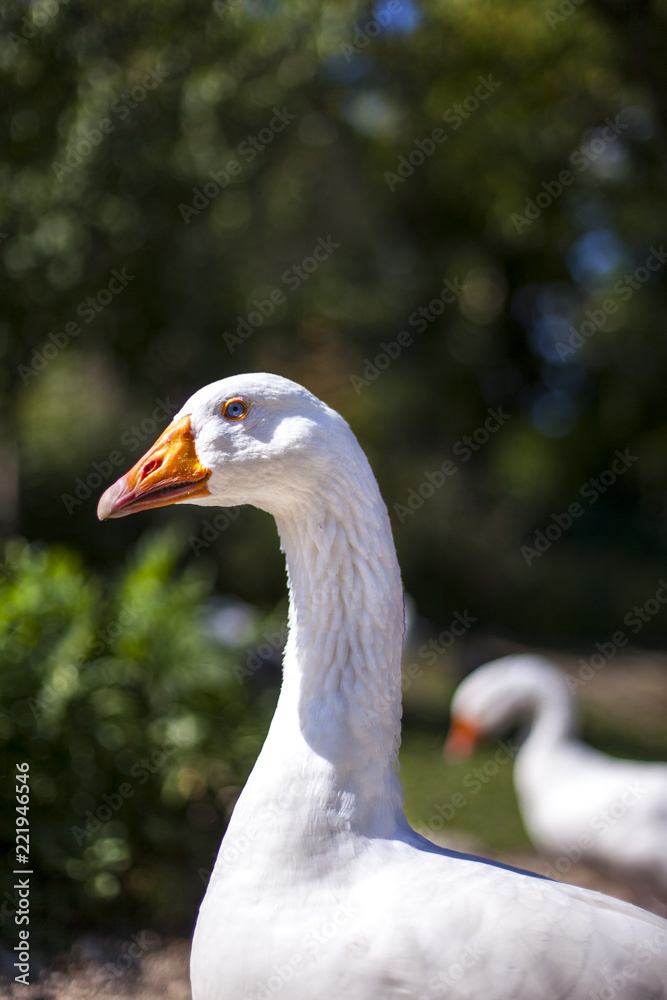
x: 170, y: 471
x: 462, y: 739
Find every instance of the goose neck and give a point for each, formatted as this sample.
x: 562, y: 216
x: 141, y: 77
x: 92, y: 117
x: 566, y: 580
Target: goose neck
x: 552, y: 718
x: 343, y: 656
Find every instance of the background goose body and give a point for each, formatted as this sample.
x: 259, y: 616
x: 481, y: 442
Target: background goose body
x: 321, y: 889
x: 576, y: 802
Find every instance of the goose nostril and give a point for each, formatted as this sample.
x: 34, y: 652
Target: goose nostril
x: 151, y: 466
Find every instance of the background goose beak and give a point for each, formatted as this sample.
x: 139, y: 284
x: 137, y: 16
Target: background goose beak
x: 169, y: 472
x: 462, y: 739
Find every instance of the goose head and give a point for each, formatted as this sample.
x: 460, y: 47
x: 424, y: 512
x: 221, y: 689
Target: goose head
x: 496, y: 696
x: 250, y: 439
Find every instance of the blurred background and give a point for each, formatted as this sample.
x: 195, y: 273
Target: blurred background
x: 443, y: 218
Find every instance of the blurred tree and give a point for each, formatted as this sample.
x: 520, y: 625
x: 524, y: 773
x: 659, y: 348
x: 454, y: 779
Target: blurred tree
x: 170, y: 165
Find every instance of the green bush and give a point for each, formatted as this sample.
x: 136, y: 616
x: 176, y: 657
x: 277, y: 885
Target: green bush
x: 135, y: 728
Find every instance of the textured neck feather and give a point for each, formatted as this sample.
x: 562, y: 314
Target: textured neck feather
x: 342, y: 660
x: 336, y: 729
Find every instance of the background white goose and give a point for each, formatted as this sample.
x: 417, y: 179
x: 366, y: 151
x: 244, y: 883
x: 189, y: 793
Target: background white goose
x: 321, y: 889
x: 576, y: 802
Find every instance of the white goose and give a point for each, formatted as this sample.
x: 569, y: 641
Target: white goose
x: 321, y: 889
x: 576, y: 802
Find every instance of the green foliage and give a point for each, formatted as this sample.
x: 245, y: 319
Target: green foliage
x: 136, y: 731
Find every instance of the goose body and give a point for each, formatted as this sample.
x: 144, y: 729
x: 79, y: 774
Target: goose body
x: 576, y: 802
x: 321, y: 889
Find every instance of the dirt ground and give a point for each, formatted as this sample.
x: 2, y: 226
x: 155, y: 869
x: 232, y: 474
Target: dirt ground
x: 91, y: 972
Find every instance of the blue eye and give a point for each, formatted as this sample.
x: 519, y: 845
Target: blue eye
x: 235, y: 409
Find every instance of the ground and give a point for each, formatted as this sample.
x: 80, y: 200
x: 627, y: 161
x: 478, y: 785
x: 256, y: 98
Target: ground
x: 161, y: 974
